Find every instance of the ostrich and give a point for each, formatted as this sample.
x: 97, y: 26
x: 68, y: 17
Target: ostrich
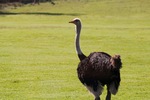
x: 97, y: 69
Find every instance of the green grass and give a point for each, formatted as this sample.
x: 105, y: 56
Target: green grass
x: 37, y: 56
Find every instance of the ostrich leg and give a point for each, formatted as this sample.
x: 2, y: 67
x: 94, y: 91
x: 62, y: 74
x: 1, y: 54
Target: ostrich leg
x: 97, y: 98
x: 108, y: 97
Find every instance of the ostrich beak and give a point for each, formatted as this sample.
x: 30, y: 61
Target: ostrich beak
x: 71, y: 22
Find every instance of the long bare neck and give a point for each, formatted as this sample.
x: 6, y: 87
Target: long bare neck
x: 77, y: 43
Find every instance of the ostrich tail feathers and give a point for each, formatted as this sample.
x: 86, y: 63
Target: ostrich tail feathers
x: 116, y: 62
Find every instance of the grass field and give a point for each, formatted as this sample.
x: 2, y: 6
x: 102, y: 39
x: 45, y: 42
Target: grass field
x: 37, y: 55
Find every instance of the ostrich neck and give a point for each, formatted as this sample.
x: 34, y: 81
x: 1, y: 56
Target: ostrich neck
x: 77, y: 42
x: 78, y: 49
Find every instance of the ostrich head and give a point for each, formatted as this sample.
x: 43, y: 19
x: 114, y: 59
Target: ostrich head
x: 77, y: 22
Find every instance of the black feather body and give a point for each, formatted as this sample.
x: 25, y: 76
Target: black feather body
x: 100, y: 68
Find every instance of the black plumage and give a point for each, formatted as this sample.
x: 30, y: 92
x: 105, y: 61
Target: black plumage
x: 99, y: 67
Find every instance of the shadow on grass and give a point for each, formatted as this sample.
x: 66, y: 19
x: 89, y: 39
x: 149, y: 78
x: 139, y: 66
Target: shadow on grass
x: 40, y: 13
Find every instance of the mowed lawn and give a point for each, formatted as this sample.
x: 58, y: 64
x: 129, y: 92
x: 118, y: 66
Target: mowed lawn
x: 37, y: 54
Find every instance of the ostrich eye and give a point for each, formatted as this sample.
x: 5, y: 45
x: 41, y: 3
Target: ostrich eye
x: 77, y: 21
